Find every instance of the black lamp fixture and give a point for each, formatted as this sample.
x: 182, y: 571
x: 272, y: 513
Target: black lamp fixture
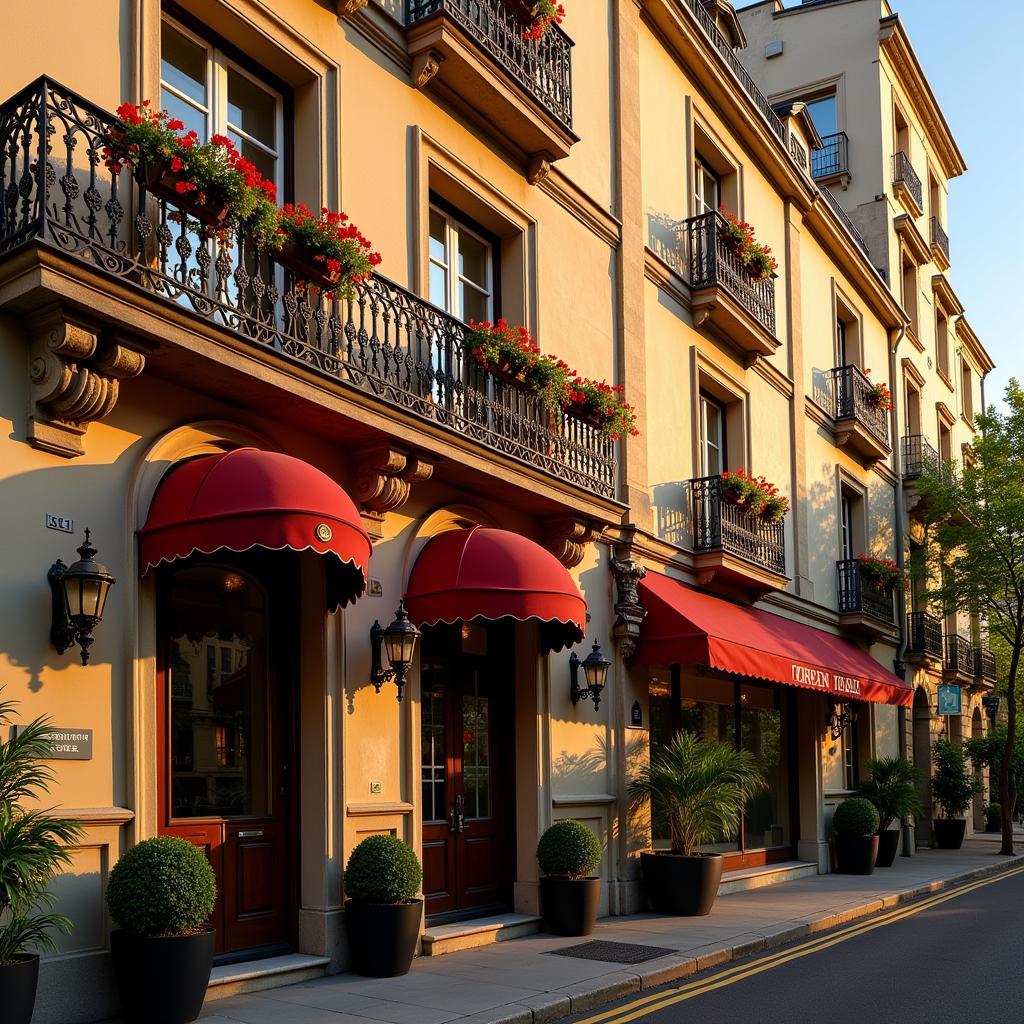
x: 595, y: 672
x: 841, y: 717
x: 399, y: 640
x: 79, y: 594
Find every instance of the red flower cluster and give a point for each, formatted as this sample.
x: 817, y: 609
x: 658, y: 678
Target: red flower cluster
x: 754, y: 255
x: 879, y: 395
x: 756, y: 495
x: 880, y: 573
x: 246, y: 168
x: 545, y: 14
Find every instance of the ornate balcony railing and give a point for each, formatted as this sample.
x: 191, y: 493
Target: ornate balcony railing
x: 713, y: 261
x: 543, y: 67
x: 797, y: 151
x: 939, y: 238
x: 385, y: 342
x: 984, y: 665
x: 719, y: 525
x: 833, y: 157
x: 838, y: 210
x: 858, y: 596
x: 959, y: 655
x: 924, y: 634
x: 851, y: 392
x: 919, y: 455
x: 903, y: 173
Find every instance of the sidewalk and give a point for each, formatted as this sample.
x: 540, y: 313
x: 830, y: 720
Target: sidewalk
x: 519, y: 982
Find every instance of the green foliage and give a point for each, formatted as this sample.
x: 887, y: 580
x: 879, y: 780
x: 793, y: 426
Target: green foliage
x: 700, y: 787
x: 383, y: 869
x: 33, y: 843
x: 993, y: 818
x: 162, y: 886
x: 892, y: 788
x: 953, y: 783
x: 856, y: 817
x: 568, y: 849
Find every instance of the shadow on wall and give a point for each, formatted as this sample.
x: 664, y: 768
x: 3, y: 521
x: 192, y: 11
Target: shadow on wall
x: 664, y: 238
x: 671, y: 503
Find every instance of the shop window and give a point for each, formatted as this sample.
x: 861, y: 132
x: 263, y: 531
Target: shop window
x: 462, y: 258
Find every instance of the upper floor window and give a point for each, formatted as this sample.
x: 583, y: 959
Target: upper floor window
x: 846, y: 525
x: 712, y: 436
x: 967, y: 390
x: 824, y: 115
x: 461, y: 268
x: 942, y: 343
x: 707, y: 191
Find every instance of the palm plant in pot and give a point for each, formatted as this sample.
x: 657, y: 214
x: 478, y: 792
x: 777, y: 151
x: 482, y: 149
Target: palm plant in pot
x: 33, y: 850
x: 161, y: 893
x: 569, y: 853
x: 856, y: 824
x: 953, y: 788
x: 892, y: 787
x: 383, y: 912
x: 700, y: 787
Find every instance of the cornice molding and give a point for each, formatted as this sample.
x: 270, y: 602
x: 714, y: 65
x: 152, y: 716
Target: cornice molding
x: 972, y: 343
x: 587, y: 210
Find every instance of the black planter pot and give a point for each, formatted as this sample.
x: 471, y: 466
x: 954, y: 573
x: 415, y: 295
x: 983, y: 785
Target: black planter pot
x: 682, y: 886
x: 162, y: 979
x: 570, y: 906
x: 18, y: 983
x: 382, y: 936
x: 856, y: 855
x: 949, y: 833
x: 888, y: 847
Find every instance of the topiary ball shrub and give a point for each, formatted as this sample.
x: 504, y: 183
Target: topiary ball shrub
x: 162, y: 886
x: 856, y: 817
x: 383, y: 869
x: 569, y: 850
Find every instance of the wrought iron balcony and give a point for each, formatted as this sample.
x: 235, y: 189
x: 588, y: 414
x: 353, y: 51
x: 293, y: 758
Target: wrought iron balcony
x: 832, y: 160
x: 385, y: 346
x: 861, y: 423
x: 984, y: 666
x: 919, y: 455
x: 734, y: 542
x: 860, y: 600
x: 959, y: 657
x: 940, y: 242
x: 717, y: 272
x: 924, y: 635
x: 906, y: 182
x: 797, y: 151
x: 838, y: 210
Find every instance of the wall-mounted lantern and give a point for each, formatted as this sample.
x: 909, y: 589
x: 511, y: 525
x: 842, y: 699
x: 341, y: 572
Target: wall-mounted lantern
x: 595, y: 673
x: 399, y: 640
x: 79, y: 594
x: 841, y: 717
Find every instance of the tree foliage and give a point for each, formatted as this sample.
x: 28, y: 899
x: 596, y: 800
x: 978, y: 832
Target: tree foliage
x: 892, y: 787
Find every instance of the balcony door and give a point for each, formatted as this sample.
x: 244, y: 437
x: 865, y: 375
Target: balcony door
x: 707, y: 188
x: 712, y: 454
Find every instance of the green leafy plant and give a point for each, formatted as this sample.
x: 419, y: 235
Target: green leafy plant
x: 383, y: 869
x: 162, y: 886
x: 603, y: 403
x: 993, y: 818
x: 754, y: 255
x: 953, y: 783
x: 880, y: 573
x: 568, y: 849
x: 700, y: 787
x: 856, y: 817
x: 543, y: 14
x: 757, y: 495
x: 34, y: 844
x: 892, y: 788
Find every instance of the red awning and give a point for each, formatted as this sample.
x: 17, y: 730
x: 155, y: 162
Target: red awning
x: 247, y: 498
x: 688, y: 627
x: 480, y: 573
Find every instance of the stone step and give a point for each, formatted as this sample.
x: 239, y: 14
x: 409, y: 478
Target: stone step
x: 768, y: 874
x: 481, y: 931
x: 258, y: 975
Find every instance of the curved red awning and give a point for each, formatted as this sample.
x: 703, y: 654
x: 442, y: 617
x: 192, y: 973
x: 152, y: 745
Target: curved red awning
x: 247, y: 498
x: 481, y: 573
x: 688, y: 627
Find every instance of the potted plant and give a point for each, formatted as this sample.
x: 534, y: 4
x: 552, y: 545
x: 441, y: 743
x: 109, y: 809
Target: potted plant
x: 880, y: 573
x: 161, y: 894
x: 701, y: 788
x: 383, y: 912
x: 878, y: 396
x: 953, y: 788
x: 541, y: 16
x: 892, y: 788
x: 600, y: 404
x: 993, y: 818
x: 755, y: 256
x: 855, y: 823
x: 33, y: 850
x: 569, y: 853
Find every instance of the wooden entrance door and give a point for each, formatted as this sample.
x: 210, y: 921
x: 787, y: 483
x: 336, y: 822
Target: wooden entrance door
x: 467, y: 746
x: 225, y: 742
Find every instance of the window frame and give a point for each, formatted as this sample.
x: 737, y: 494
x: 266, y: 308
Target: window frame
x: 457, y: 223
x: 706, y: 401
x: 703, y: 172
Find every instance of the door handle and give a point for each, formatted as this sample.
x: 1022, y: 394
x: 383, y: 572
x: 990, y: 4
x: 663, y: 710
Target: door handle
x: 460, y: 813
x: 452, y: 824
x: 250, y: 833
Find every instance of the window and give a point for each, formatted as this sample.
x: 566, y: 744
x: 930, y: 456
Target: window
x: 942, y: 343
x: 945, y: 443
x: 823, y: 114
x: 908, y: 295
x: 846, y: 526
x: 934, y: 202
x: 913, y: 410
x: 461, y: 268
x: 967, y: 389
x: 841, y: 359
x: 901, y: 132
x: 712, y: 436
x: 707, y: 193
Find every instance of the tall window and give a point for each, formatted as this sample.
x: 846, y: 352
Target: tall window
x: 823, y: 114
x: 461, y: 268
x: 707, y: 192
x: 942, y: 343
x: 909, y: 286
x: 846, y: 526
x: 841, y: 353
x: 851, y: 772
x: 913, y: 414
x: 712, y: 436
x: 967, y: 389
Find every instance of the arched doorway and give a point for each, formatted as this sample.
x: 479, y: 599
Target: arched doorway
x: 977, y: 730
x: 923, y: 762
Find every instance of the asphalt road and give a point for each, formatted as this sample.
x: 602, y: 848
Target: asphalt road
x: 939, y: 960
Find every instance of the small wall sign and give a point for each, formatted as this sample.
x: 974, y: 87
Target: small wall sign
x: 950, y: 700
x: 71, y: 744
x: 63, y: 523
x: 636, y: 716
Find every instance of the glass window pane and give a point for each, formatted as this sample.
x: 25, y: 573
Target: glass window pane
x: 193, y: 118
x: 183, y: 63
x: 439, y: 287
x: 474, y: 257
x: 438, y: 236
x: 823, y: 114
x: 766, y: 818
x: 251, y: 109
x: 473, y: 305
x: 264, y: 162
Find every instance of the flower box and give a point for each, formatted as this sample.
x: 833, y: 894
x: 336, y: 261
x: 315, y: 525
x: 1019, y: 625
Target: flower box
x: 302, y: 262
x: 161, y: 182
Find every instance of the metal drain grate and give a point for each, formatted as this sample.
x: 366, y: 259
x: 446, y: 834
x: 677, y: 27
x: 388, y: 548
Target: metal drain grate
x: 613, y: 952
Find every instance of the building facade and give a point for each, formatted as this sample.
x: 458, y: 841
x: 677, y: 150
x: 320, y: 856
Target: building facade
x: 268, y: 472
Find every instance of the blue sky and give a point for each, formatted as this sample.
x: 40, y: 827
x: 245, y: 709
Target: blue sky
x: 971, y: 55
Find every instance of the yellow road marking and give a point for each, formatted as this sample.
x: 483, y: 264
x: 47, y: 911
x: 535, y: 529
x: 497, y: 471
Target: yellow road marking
x: 669, y: 997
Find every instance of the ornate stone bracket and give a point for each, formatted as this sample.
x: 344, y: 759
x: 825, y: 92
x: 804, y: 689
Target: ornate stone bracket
x: 629, y: 612
x: 346, y: 7
x: 538, y: 169
x: 75, y: 376
x: 385, y: 475
x: 425, y: 66
x: 567, y: 537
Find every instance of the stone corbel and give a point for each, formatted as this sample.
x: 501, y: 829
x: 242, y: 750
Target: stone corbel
x: 567, y: 537
x: 538, y: 169
x: 385, y: 475
x: 629, y: 612
x: 347, y: 7
x: 425, y: 66
x: 75, y: 376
